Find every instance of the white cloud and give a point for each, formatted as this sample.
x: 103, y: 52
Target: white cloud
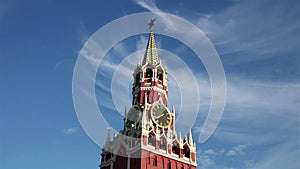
x: 222, y: 151
x: 237, y: 150
x: 249, y: 164
x: 205, y: 161
x: 210, y: 152
x: 149, y: 4
x: 70, y: 131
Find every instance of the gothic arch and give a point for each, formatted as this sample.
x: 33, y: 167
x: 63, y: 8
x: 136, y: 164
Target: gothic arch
x: 175, y: 147
x: 186, y: 151
x: 155, y: 161
x: 163, y: 143
x: 160, y: 74
x: 152, y: 139
x: 149, y: 73
x: 169, y: 165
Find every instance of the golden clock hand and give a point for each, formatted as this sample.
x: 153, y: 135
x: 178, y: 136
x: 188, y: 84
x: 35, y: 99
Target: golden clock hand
x: 160, y: 116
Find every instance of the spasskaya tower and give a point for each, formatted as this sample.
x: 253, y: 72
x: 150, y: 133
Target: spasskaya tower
x: 149, y: 139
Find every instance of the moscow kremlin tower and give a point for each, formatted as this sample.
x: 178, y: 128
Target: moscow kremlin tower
x: 149, y: 139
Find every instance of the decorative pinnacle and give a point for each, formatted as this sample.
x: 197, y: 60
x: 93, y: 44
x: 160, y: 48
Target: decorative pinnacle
x: 151, y: 24
x: 108, y: 134
x: 190, y: 138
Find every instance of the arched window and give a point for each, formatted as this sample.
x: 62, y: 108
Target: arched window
x: 163, y: 143
x: 155, y: 161
x: 136, y: 98
x: 151, y: 139
x: 186, y: 151
x: 175, y: 148
x: 149, y: 73
x: 149, y: 159
x: 160, y: 74
x: 149, y: 99
x: 108, y: 156
x: 169, y: 165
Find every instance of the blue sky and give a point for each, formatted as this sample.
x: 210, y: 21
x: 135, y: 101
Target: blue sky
x: 258, y: 43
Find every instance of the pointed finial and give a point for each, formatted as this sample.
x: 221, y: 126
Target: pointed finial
x: 151, y: 24
x: 190, y: 138
x: 180, y: 138
x: 173, y: 109
x: 125, y: 113
x: 108, y: 134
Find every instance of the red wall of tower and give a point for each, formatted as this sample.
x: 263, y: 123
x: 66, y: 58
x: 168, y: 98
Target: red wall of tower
x: 162, y: 162
x: 147, y: 162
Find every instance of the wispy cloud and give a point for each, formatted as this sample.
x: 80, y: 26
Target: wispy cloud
x: 237, y: 150
x: 70, y: 131
x: 210, y: 158
x: 149, y: 4
x: 210, y: 152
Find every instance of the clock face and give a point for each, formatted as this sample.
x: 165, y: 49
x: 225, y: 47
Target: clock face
x: 160, y: 115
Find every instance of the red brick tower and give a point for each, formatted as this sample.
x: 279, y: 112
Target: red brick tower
x: 149, y: 139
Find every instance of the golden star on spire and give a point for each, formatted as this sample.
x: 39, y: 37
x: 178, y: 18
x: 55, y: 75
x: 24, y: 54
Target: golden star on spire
x: 151, y: 24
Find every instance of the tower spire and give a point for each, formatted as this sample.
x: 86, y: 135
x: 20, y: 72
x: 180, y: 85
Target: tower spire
x: 151, y: 55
